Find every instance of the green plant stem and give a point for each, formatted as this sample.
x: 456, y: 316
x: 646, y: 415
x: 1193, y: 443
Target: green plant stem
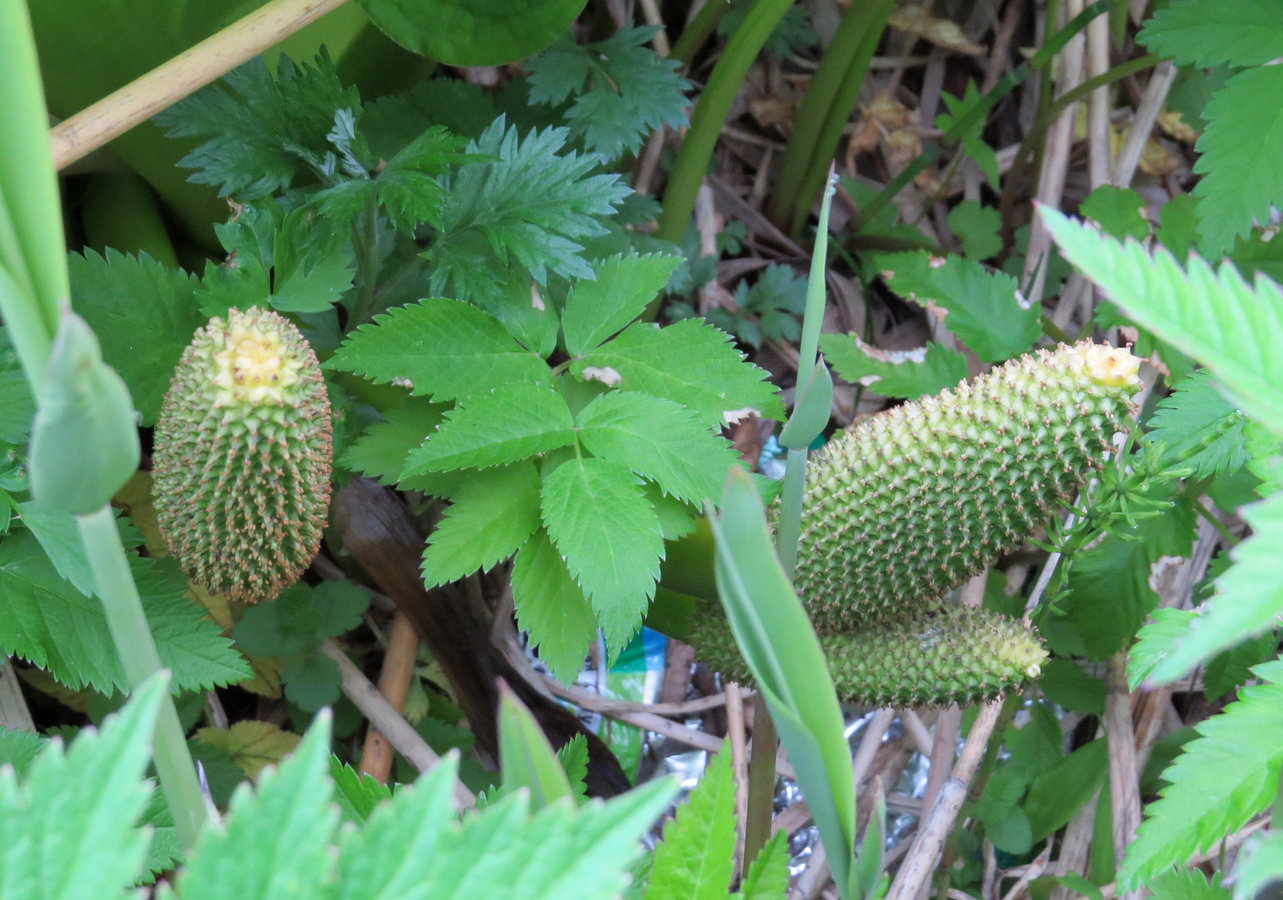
x: 138, y: 656
x: 825, y: 109
x: 710, y: 115
x: 698, y: 30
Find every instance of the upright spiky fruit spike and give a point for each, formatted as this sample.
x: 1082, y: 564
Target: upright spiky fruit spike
x: 929, y: 658
x: 241, y: 468
x: 908, y: 504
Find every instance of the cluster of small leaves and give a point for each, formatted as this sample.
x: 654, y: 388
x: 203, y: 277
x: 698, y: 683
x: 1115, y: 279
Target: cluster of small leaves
x: 579, y: 469
x: 791, y: 35
x: 613, y: 93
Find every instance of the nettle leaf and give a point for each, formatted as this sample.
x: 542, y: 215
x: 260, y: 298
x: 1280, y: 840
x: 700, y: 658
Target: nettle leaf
x: 51, y: 624
x: 278, y: 833
x: 262, y: 130
x: 532, y: 207
x: 607, y: 531
x: 1248, y: 599
x: 908, y: 374
x: 508, y: 424
x: 489, y: 519
x: 658, y: 439
x: 1216, y: 317
x: 689, y: 362
x: 616, y: 295
x: 1223, y: 778
x: 552, y: 607
x: 697, y: 856
x: 446, y: 349
x: 1198, y: 427
x: 380, y: 452
x: 143, y: 314
x: 1242, y: 175
x: 1210, y: 32
x: 984, y: 309
x: 620, y: 90
x: 69, y: 830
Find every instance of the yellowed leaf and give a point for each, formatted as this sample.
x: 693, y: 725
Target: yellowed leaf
x: 918, y: 21
x: 1176, y: 127
x: 251, y: 744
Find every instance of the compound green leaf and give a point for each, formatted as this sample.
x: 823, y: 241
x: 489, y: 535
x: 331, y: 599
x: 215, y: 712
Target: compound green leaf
x: 608, y: 533
x: 618, y: 293
x: 552, y: 607
x: 489, y: 518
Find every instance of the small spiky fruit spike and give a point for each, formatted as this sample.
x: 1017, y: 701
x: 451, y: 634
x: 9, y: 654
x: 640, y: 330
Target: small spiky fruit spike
x: 931, y: 658
x: 241, y: 468
x: 908, y: 504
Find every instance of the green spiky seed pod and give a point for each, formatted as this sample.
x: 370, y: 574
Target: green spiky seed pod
x: 908, y: 504
x: 241, y: 468
x: 931, y: 658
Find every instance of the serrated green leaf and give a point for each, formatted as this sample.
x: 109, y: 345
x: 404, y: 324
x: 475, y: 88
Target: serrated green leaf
x: 619, y: 291
x: 312, y: 681
x: 1110, y: 594
x: 489, y: 518
x: 573, y: 756
x: 69, y: 830
x: 601, y: 522
x: 144, y: 315
x: 697, y: 855
x: 977, y: 227
x: 1242, y: 176
x: 473, y: 32
x: 909, y: 374
x: 17, y: 405
x: 552, y: 607
x: 984, y: 309
x: 657, y: 439
x: 278, y: 834
x: 446, y: 349
x: 504, y: 426
x: 51, y: 624
x: 1228, y: 774
x: 1259, y: 864
x: 1248, y: 599
x: 60, y: 539
x: 19, y: 748
x: 358, y: 794
x: 1199, y: 428
x: 1120, y: 212
x: 1186, y: 884
x: 619, y: 90
x: 767, y: 877
x: 312, y: 264
x: 689, y: 362
x: 382, y: 450
x: 526, y: 758
x: 1217, y: 318
x: 1209, y: 32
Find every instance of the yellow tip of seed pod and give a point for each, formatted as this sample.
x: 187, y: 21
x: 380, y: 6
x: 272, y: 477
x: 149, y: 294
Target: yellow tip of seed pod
x: 1113, y: 366
x: 251, y: 364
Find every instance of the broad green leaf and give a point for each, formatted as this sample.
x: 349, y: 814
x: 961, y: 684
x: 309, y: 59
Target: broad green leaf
x: 357, y: 794
x: 984, y: 309
x: 1057, y: 794
x: 1120, y: 212
x: 525, y: 756
x: 1259, y: 864
x: 1210, y: 32
x: 1248, y: 599
x: 697, y: 855
x: 60, y: 539
x: 977, y: 227
x: 1199, y: 428
x: 446, y: 349
x: 658, y: 439
x: 1223, y: 778
x: 1109, y: 594
x: 54, y: 626
x: 68, y: 829
x: 144, y: 315
x: 767, y: 877
x: 552, y: 607
x: 312, y: 681
x: 908, y: 374
x: 619, y: 291
x: 301, y: 618
x: 689, y: 362
x: 607, y: 531
x: 1216, y: 317
x: 509, y: 424
x: 251, y: 744
x: 489, y: 518
x: 277, y: 834
x: 780, y: 647
x: 84, y: 441
x: 473, y: 32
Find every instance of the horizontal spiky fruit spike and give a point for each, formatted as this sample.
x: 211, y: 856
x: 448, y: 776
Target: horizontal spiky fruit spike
x: 931, y: 658
x: 241, y: 468
x: 908, y: 504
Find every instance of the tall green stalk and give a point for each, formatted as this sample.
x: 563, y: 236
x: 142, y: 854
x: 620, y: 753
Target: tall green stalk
x: 710, y: 115
x: 825, y: 109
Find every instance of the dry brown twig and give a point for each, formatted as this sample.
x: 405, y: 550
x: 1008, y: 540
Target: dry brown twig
x: 394, y: 683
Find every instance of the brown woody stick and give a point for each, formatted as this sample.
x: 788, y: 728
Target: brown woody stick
x: 394, y: 684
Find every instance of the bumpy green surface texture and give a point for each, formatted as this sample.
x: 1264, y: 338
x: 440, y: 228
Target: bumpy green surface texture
x: 241, y: 468
x: 928, y: 658
x: 908, y: 504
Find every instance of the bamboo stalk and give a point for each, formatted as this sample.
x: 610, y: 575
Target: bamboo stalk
x: 182, y: 76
